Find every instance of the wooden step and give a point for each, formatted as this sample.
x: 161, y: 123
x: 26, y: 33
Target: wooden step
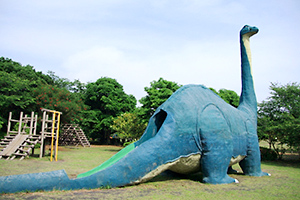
x: 13, y: 132
x: 20, y: 154
x: 6, y: 140
x: 20, y: 149
x: 32, y: 142
x: 14, y: 120
x: 51, y: 121
x: 3, y: 142
x: 22, y: 132
x: 9, y: 136
x: 34, y: 136
x: 27, y: 146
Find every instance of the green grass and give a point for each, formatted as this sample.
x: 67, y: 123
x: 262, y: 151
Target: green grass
x: 74, y: 160
x: 283, y: 184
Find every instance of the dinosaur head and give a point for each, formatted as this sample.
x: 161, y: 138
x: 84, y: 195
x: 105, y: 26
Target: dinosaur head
x: 248, y: 31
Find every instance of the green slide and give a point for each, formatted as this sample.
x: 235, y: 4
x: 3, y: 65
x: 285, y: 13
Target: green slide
x: 110, y: 161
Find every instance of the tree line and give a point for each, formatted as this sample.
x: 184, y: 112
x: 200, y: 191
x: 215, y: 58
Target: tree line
x: 106, y: 113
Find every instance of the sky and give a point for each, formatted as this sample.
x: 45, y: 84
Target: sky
x: 137, y: 42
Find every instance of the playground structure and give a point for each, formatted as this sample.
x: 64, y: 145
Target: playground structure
x: 50, y: 131
x: 73, y: 135
x: 19, y: 143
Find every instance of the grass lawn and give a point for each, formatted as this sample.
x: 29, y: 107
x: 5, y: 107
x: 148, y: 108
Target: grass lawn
x: 283, y: 184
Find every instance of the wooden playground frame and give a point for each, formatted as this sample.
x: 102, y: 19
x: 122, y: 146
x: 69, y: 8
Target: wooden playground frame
x: 19, y: 143
x: 22, y: 141
x: 50, y: 129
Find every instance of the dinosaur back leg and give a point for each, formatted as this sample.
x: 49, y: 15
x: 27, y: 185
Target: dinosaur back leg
x: 216, y: 145
x: 251, y: 163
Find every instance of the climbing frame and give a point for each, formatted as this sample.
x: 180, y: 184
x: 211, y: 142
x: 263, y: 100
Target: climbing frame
x: 50, y: 129
x: 73, y: 135
x: 19, y: 143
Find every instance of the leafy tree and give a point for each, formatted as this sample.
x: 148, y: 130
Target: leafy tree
x: 60, y: 99
x: 106, y: 99
x: 229, y: 96
x: 57, y: 81
x: 279, y: 117
x: 267, y: 127
x: 15, y: 95
x: 24, y: 89
x: 25, y: 72
x: 128, y: 126
x: 75, y: 87
x: 158, y: 92
x: 15, y: 92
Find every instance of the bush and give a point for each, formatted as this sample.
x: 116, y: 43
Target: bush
x: 267, y: 154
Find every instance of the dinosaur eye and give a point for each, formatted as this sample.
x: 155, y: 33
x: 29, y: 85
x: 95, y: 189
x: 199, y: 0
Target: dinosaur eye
x: 246, y: 27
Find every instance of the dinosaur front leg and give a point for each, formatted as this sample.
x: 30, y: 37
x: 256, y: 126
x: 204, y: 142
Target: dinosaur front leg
x: 216, y: 146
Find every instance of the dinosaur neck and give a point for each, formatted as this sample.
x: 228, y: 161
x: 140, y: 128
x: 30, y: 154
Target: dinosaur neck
x: 248, y: 97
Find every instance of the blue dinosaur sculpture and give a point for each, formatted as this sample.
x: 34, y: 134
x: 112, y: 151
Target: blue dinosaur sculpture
x: 194, y: 130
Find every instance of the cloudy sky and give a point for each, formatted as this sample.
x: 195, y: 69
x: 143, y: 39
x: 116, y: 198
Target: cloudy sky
x: 136, y: 42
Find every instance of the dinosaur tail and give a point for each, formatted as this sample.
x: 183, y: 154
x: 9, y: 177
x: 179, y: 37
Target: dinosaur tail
x: 129, y: 169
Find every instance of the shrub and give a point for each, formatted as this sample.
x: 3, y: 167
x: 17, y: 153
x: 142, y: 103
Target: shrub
x: 267, y: 154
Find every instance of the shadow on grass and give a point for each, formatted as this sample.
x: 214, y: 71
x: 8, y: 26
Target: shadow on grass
x: 289, y: 160
x: 169, y: 175
x: 283, y: 163
x: 112, y: 150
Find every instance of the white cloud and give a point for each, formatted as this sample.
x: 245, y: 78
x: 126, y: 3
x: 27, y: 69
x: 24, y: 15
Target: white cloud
x: 137, y: 42
x: 191, y: 63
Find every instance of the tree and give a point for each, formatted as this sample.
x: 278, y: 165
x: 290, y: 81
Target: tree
x: 158, y: 92
x: 106, y: 99
x: 25, y: 72
x: 24, y: 89
x: 267, y: 127
x: 128, y: 127
x: 15, y: 95
x: 279, y: 117
x: 229, y: 96
x: 60, y: 99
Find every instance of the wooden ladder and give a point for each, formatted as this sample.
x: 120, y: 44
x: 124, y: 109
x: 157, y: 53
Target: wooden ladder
x: 27, y: 146
x: 73, y: 135
x: 20, y: 142
x: 81, y: 136
x: 13, y: 146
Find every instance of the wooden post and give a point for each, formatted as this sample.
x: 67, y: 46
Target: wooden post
x: 35, y: 123
x: 31, y: 123
x: 42, y: 139
x: 9, y: 123
x: 57, y: 135
x: 20, y: 123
